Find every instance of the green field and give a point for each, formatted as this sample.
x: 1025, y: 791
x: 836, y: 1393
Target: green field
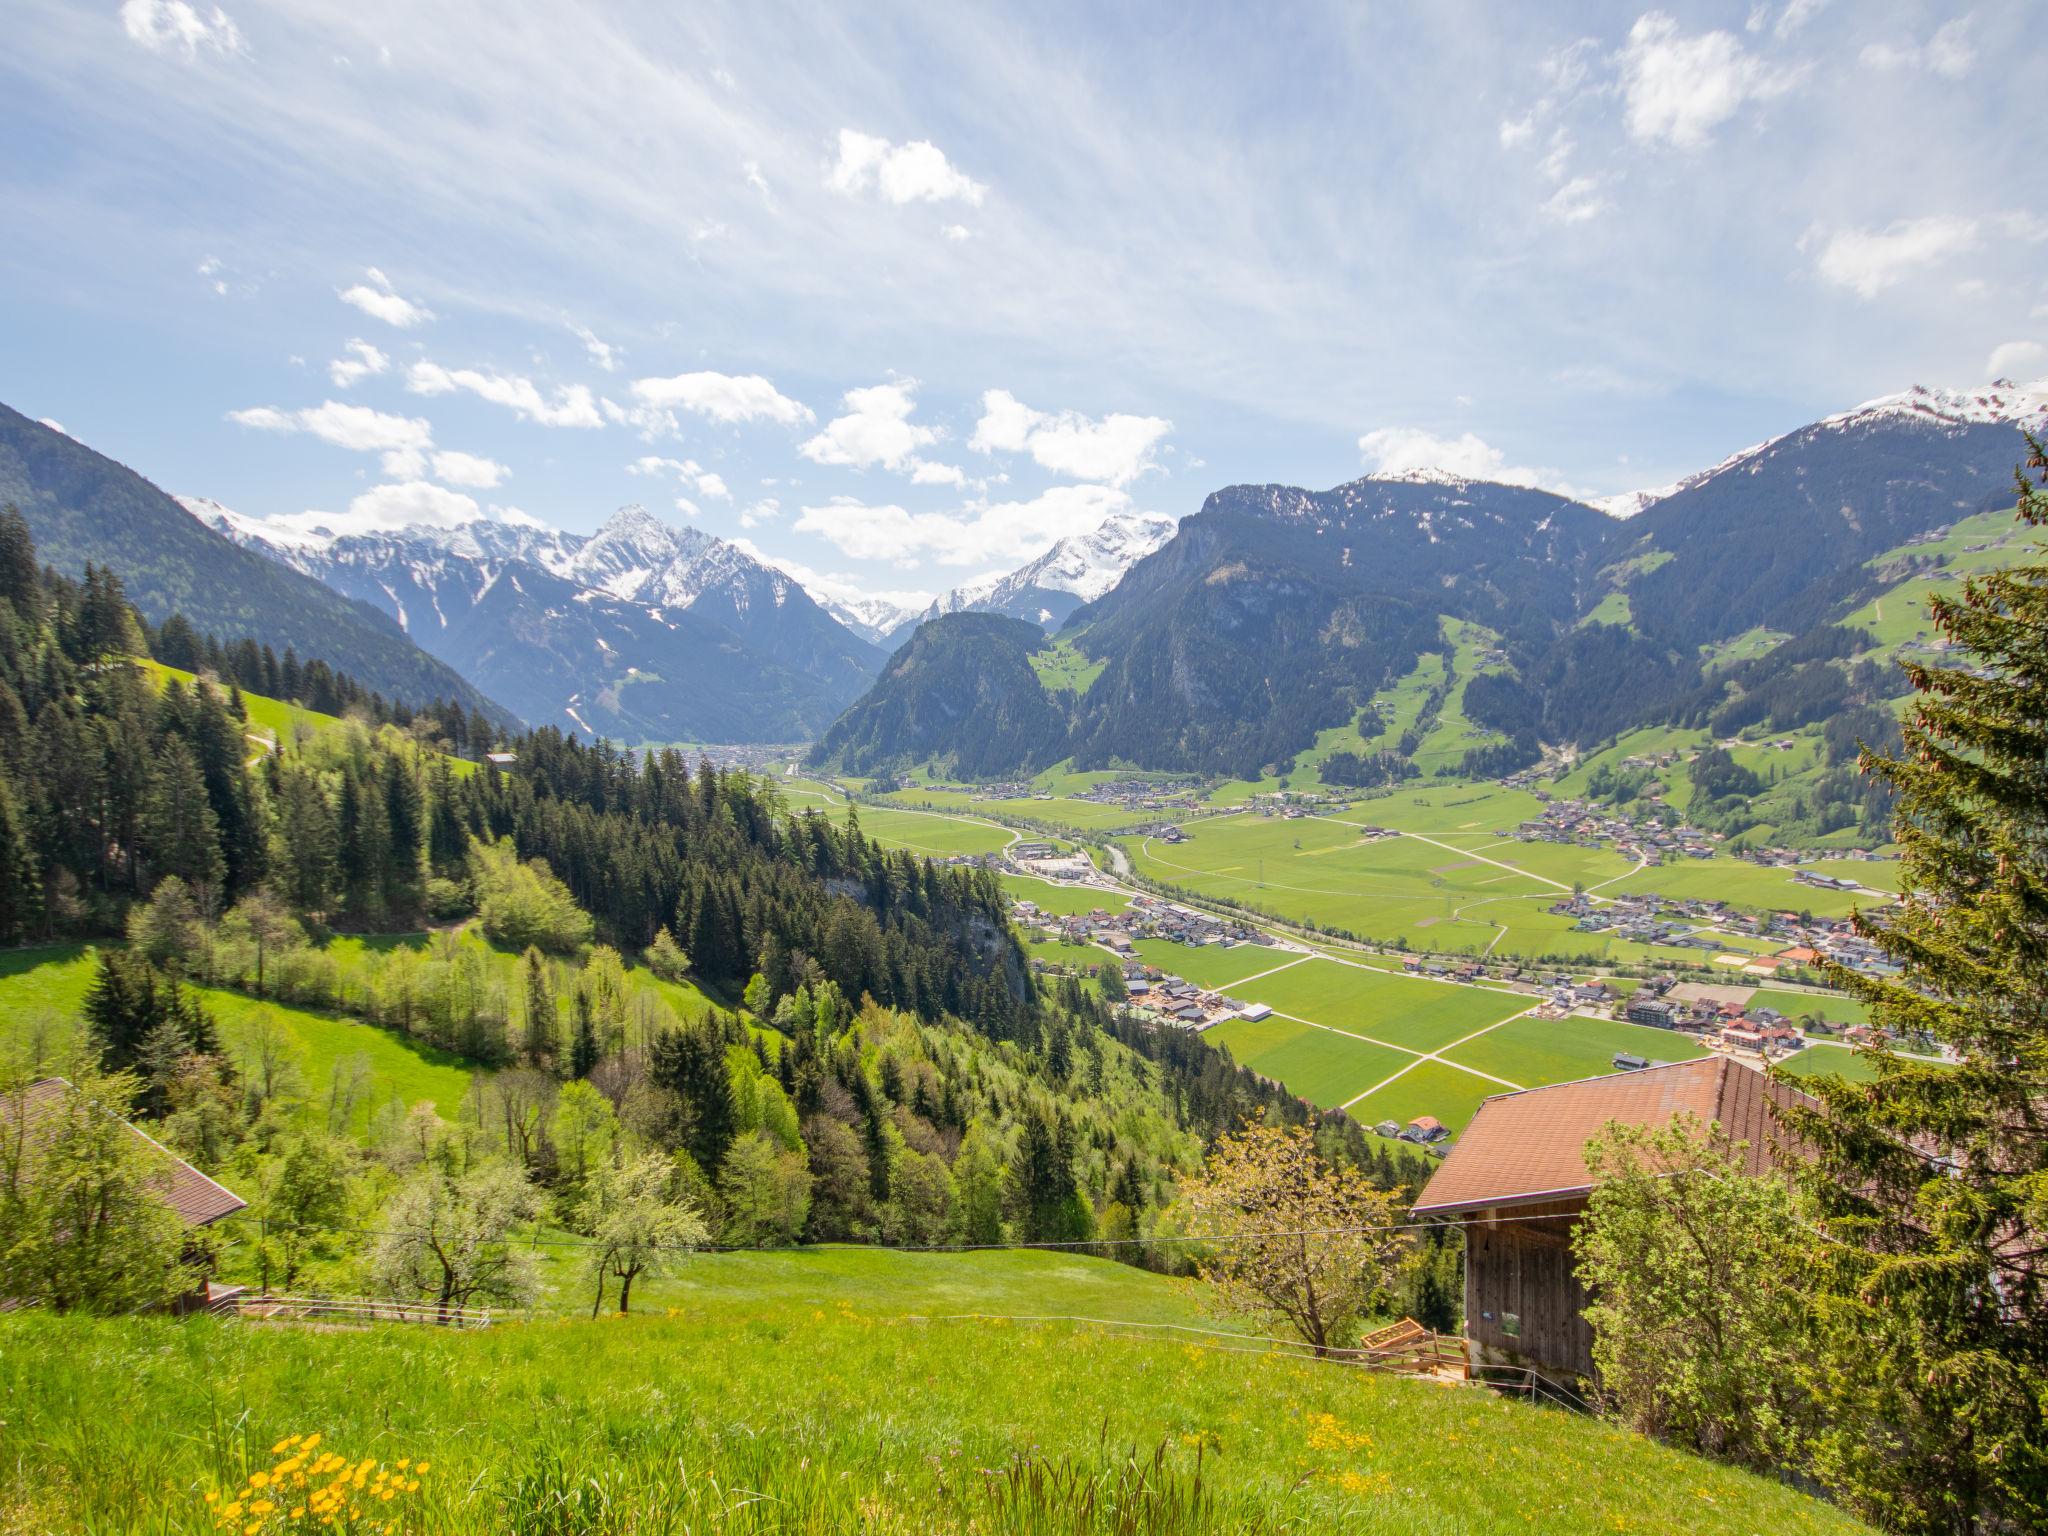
x: 1320, y: 1065
x: 1828, y: 1059
x: 274, y: 719
x: 1796, y: 1005
x: 1535, y: 1052
x: 1754, y: 886
x: 1211, y: 965
x: 41, y: 991
x: 935, y: 836
x: 826, y: 1392
x: 1061, y: 667
x: 1402, y: 1011
x: 1066, y: 900
x: 1428, y: 1088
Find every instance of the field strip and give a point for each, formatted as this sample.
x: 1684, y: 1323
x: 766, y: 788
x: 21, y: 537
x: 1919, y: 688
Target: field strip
x: 1437, y: 1056
x: 1262, y: 975
x: 1494, y: 879
x: 1399, y: 892
x: 1469, y: 853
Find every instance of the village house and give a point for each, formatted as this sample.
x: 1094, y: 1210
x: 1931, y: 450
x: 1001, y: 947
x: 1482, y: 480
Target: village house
x: 197, y: 1200
x: 1518, y: 1181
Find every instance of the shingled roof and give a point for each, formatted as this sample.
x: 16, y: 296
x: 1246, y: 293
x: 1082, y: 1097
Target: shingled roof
x: 197, y: 1199
x: 1529, y: 1146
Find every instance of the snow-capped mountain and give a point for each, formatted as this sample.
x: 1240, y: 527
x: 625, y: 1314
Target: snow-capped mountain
x: 1075, y: 571
x: 639, y: 631
x: 1999, y: 403
x: 872, y: 618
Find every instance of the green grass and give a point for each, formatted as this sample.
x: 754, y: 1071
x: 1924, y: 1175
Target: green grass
x: 41, y: 992
x: 1830, y: 1060
x: 933, y: 835
x: 1062, y: 668
x: 1319, y: 1065
x: 1829, y: 1005
x: 1430, y: 1088
x: 1400, y: 1010
x: 803, y: 1393
x: 280, y: 721
x: 1536, y: 1052
x: 1067, y: 900
x: 1211, y: 965
x: 1753, y: 886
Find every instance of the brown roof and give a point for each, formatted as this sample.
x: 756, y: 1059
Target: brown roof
x: 197, y: 1199
x: 1530, y: 1146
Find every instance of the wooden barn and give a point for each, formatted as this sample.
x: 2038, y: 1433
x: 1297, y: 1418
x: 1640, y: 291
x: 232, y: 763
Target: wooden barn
x: 1519, y: 1177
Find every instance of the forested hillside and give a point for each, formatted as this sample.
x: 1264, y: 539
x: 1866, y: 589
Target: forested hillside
x: 84, y: 508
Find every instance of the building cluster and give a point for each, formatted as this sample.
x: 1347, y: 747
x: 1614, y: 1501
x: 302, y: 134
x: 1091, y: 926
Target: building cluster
x: 1734, y: 1026
x: 1587, y: 825
x: 1147, y: 917
x: 1647, y: 918
x: 1172, y: 1000
x: 1152, y: 795
x: 1294, y: 804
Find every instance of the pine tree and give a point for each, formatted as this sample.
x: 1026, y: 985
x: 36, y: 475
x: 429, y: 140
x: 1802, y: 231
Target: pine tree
x: 583, y: 1053
x: 21, y: 886
x: 180, y: 833
x: 1938, y: 1176
x: 20, y: 580
x: 538, y: 1044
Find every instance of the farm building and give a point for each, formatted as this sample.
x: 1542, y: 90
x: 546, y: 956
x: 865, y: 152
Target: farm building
x: 1519, y: 1178
x: 35, y: 1114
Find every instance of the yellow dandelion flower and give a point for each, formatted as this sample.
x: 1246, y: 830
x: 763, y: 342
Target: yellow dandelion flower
x: 298, y: 1512
x: 259, y: 1479
x: 422, y: 1467
x: 252, y: 1528
x: 413, y: 1486
x: 212, y: 1497
x: 386, y: 1494
x: 404, y: 1462
x: 281, y: 1447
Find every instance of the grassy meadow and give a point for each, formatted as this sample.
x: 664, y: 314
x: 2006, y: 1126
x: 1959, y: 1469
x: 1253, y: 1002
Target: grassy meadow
x: 821, y: 1393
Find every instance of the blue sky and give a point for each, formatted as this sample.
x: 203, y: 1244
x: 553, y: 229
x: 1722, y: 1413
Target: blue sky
x: 901, y: 294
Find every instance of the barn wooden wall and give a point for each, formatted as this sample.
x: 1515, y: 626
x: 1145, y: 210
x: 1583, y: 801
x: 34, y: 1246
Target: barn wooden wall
x: 1524, y: 1267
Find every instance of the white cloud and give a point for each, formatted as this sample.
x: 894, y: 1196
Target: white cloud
x: 956, y: 232
x: 210, y: 269
x: 1796, y: 15
x: 469, y: 469
x: 1407, y: 450
x: 1117, y: 448
x: 1868, y: 261
x: 758, y: 182
x: 875, y: 429
x: 980, y: 534
x: 572, y: 405
x: 377, y: 300
x: 361, y: 362
x: 53, y: 425
x: 721, y: 397
x: 928, y: 473
x: 766, y: 510
x: 917, y: 172
x: 1948, y: 53
x: 1679, y: 89
x: 2022, y: 225
x: 404, y: 441
x: 1576, y: 201
x: 706, y: 482
x: 412, y: 503
x: 687, y: 507
x: 173, y: 26
x: 1514, y: 131
x: 602, y: 353
x: 2017, y: 360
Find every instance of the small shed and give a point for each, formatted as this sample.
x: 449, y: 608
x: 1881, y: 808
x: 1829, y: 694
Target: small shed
x: 1518, y: 1180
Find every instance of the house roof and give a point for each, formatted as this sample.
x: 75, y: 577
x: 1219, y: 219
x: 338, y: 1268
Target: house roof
x: 197, y: 1199
x: 1530, y: 1146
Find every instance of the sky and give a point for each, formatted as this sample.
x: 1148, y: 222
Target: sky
x: 900, y: 294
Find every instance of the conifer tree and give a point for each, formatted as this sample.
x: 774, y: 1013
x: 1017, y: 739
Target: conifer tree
x: 21, y: 887
x: 20, y: 583
x: 179, y: 830
x: 1937, y: 1176
x: 538, y: 1043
